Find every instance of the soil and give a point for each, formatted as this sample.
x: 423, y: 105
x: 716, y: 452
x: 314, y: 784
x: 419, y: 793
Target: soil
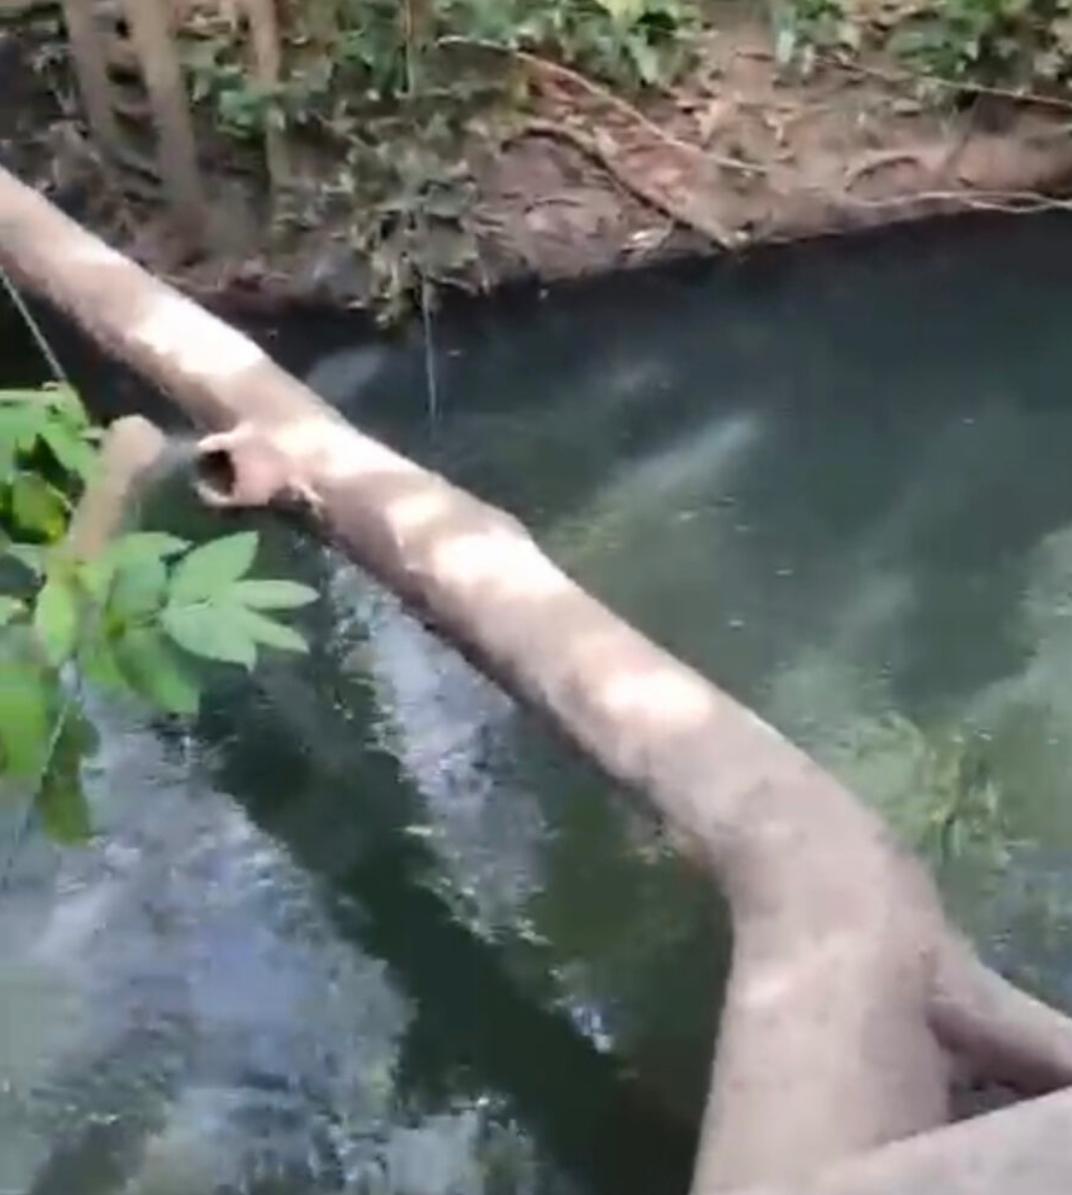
x: 740, y: 153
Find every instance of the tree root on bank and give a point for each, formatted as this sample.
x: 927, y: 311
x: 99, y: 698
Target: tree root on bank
x: 848, y: 989
x: 879, y: 160
x: 675, y: 177
x: 732, y: 201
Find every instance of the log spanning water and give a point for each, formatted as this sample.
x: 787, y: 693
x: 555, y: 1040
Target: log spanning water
x: 844, y: 970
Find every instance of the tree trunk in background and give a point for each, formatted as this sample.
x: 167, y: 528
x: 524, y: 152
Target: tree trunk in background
x: 267, y: 67
x: 88, y: 49
x: 151, y: 34
x: 848, y: 990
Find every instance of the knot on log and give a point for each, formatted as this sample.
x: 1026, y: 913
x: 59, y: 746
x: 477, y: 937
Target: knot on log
x: 242, y: 467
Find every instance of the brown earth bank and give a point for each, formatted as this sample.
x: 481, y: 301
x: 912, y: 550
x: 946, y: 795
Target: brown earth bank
x: 737, y: 154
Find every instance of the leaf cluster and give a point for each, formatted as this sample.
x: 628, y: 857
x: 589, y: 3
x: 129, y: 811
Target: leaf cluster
x: 1025, y: 44
x: 134, y: 621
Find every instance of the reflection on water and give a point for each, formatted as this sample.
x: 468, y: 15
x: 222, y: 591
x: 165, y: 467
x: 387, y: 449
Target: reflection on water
x: 368, y: 928
x: 179, y: 1012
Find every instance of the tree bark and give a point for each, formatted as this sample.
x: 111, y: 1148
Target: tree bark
x: 1020, y: 1151
x: 150, y: 32
x: 267, y: 70
x: 847, y: 989
x: 91, y: 67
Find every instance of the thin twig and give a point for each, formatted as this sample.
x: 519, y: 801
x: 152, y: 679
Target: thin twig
x: 589, y: 146
x: 963, y: 85
x: 414, y: 83
x: 59, y: 374
x: 878, y: 160
x: 1011, y: 202
x: 600, y: 93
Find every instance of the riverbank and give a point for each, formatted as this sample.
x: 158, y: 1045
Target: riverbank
x: 740, y: 151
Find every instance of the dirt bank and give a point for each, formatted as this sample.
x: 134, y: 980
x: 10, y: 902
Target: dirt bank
x: 737, y: 154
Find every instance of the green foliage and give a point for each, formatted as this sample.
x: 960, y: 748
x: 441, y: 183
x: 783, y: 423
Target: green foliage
x: 396, y: 90
x: 1014, y: 43
x: 631, y: 43
x: 44, y: 437
x: 217, y: 76
x: 132, y: 622
x: 1018, y: 43
x: 982, y: 39
x: 804, y: 28
x: 211, y: 611
x: 966, y: 817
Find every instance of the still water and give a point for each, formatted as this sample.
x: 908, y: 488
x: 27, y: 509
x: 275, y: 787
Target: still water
x: 364, y: 927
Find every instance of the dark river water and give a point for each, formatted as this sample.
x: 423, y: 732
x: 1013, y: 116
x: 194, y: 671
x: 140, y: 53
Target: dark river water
x: 364, y: 927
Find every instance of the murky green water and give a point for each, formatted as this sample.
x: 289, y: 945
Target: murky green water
x: 366, y: 928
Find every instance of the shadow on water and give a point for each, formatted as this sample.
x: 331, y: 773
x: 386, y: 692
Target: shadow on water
x: 367, y: 928
x: 477, y: 1025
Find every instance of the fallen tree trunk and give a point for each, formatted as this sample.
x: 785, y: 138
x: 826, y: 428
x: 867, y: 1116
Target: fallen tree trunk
x: 1020, y: 1151
x: 848, y: 991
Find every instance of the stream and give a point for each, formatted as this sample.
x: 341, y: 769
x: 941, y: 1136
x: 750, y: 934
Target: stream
x: 364, y: 926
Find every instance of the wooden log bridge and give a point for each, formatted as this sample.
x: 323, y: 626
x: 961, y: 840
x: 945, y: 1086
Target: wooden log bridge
x: 850, y: 995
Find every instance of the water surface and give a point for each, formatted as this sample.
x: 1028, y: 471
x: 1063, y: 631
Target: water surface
x: 366, y: 927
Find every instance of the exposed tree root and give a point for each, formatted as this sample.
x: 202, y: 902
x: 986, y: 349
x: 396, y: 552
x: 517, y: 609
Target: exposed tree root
x: 879, y: 161
x: 732, y: 200
x: 674, y: 176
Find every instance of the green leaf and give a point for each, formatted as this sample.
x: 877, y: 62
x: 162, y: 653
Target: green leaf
x: 10, y: 609
x: 139, y: 545
x: 30, y: 556
x: 272, y: 595
x: 63, y: 807
x: 39, y: 508
x: 62, y: 801
x: 645, y: 58
x: 210, y: 569
x: 55, y: 620
x: 64, y: 400
x: 8, y: 464
x: 269, y: 632
x: 69, y: 449
x: 21, y: 397
x: 24, y: 719
x: 152, y: 669
x: 138, y: 589
x: 133, y: 551
x: 21, y: 425
x: 97, y: 662
x: 95, y: 577
x: 211, y: 631
x: 625, y: 11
